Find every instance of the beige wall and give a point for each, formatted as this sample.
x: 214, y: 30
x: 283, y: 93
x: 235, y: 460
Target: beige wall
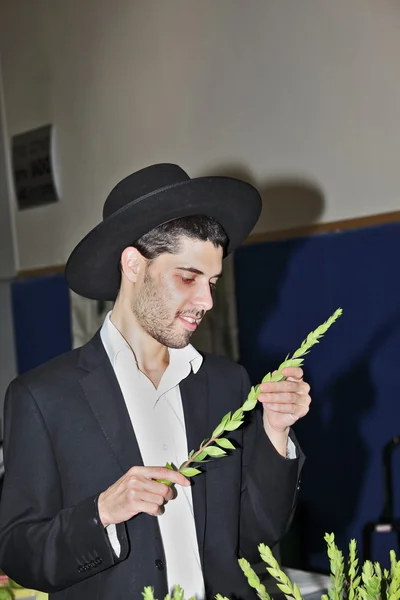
x: 301, y: 97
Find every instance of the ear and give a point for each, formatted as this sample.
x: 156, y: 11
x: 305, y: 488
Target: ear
x: 132, y: 263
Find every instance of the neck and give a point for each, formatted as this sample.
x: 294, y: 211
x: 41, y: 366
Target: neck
x: 152, y: 357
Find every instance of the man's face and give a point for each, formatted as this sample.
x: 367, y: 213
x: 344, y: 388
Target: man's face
x: 176, y: 292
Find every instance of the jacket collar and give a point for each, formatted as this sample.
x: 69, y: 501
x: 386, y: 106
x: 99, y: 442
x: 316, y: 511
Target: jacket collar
x: 103, y: 394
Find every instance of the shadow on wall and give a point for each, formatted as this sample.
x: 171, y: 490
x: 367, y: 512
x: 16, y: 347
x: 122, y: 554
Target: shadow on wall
x: 288, y: 201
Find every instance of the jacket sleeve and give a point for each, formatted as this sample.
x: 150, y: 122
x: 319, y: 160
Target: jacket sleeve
x: 44, y: 545
x: 270, y: 483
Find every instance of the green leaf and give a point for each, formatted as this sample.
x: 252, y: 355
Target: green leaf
x: 250, y: 404
x: 148, y: 593
x: 224, y: 443
x: 284, y: 588
x: 177, y: 593
x: 200, y: 456
x: 190, y: 472
x: 214, y: 451
x: 233, y: 425
x: 277, y: 376
x: 237, y: 415
x: 171, y: 468
x: 218, y: 430
x: 226, y: 418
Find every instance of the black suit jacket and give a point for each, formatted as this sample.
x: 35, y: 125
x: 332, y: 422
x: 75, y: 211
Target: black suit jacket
x: 68, y: 436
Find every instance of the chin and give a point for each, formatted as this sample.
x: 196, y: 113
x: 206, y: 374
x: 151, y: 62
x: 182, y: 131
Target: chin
x: 178, y: 344
x: 173, y: 341
x: 179, y: 341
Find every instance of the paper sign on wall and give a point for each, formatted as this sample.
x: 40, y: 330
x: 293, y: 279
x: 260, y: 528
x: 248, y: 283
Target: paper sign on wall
x: 32, y: 168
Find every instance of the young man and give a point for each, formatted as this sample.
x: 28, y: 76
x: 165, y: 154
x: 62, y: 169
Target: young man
x: 87, y: 435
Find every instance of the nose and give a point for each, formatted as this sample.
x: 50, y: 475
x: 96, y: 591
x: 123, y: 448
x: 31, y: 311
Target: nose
x: 203, y: 298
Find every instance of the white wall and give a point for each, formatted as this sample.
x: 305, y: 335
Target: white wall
x: 277, y: 88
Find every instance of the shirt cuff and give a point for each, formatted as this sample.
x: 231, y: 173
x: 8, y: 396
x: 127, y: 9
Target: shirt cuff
x: 290, y: 450
x: 113, y: 537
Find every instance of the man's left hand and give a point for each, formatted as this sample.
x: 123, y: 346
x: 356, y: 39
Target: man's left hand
x: 284, y: 403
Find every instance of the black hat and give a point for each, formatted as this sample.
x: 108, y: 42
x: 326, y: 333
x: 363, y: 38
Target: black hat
x: 146, y: 199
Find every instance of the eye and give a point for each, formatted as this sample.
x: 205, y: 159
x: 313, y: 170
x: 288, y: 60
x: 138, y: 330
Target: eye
x: 187, y: 279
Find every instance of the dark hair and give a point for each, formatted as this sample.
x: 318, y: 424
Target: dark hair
x: 166, y: 237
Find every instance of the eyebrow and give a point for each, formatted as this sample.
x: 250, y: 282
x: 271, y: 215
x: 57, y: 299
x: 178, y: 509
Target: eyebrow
x: 197, y: 271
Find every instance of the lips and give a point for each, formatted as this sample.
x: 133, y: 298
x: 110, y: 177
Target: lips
x: 189, y: 322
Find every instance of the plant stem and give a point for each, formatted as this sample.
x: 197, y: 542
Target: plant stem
x: 199, y: 451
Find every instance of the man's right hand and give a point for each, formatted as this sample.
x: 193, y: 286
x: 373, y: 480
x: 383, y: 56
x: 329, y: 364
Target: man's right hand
x: 138, y: 491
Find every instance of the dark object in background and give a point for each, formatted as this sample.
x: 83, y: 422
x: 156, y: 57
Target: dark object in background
x: 32, y: 168
x: 386, y: 523
x: 1, y: 468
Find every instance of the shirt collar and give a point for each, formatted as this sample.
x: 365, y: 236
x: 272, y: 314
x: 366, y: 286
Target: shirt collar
x: 114, y: 342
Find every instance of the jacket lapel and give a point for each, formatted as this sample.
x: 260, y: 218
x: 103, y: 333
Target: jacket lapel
x: 194, y: 392
x: 105, y: 398
x: 102, y: 392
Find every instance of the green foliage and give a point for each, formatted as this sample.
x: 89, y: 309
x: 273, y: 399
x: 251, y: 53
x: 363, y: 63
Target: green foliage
x: 345, y: 582
x: 284, y: 584
x: 371, y: 584
x: 253, y: 579
x: 215, y: 446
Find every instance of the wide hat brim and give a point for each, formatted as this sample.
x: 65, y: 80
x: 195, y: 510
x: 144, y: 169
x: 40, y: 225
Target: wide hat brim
x: 92, y: 268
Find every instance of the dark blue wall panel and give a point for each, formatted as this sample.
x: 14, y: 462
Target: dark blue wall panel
x: 284, y: 290
x: 42, y: 320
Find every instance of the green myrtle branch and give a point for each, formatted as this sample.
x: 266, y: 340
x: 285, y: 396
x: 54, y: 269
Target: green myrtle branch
x: 393, y: 590
x: 291, y: 590
x: 337, y: 577
x: 253, y: 579
x: 353, y: 577
x: 216, y: 446
x: 374, y: 583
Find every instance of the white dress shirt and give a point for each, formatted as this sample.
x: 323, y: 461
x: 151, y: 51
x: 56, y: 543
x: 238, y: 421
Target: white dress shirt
x: 158, y: 421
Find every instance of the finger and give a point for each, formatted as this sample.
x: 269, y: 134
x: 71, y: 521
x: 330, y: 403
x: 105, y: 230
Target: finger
x: 175, y: 477
x: 289, y: 409
x: 303, y: 384
x: 284, y: 386
x: 161, y: 489
x: 147, y: 497
x: 295, y: 372
x: 152, y: 509
x: 160, y: 473
x: 285, y: 398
